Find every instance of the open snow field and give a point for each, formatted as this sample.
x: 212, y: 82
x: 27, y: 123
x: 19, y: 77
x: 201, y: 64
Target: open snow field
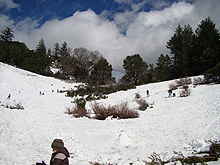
x: 173, y: 124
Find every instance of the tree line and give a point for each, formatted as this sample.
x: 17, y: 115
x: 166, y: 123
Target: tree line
x: 191, y: 53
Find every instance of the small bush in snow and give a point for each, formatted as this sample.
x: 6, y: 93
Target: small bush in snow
x: 142, y: 104
x: 172, y: 86
x: 185, y: 92
x: 215, y: 148
x: 197, y: 81
x: 137, y: 95
x: 180, y: 82
x: 101, y: 112
x: 80, y: 103
x: 183, y: 81
x: 155, y: 159
x: 121, y: 111
x: 17, y: 106
x: 77, y: 112
x: 124, y: 112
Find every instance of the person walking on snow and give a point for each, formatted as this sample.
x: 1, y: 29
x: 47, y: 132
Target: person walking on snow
x: 170, y: 93
x: 9, y: 96
x: 60, y: 153
x: 147, y: 93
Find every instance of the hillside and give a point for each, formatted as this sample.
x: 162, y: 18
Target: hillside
x: 173, y: 124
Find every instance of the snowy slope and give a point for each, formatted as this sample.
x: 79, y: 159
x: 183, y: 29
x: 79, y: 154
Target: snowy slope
x: 173, y: 124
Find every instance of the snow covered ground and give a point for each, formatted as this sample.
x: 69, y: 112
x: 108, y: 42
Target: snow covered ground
x: 173, y: 124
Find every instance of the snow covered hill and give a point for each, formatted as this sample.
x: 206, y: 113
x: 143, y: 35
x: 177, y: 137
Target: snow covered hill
x: 173, y: 124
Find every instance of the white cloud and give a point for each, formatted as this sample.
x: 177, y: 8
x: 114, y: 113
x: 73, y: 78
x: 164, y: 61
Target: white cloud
x: 9, y: 4
x: 5, y: 21
x: 146, y: 32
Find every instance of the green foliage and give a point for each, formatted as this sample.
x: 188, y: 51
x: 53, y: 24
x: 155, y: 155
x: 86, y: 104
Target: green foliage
x: 14, y: 53
x: 135, y: 69
x: 7, y: 34
x: 80, y: 102
x: 164, y: 68
x: 39, y: 61
x: 97, y: 92
x: 180, y: 46
x: 101, y: 73
x: 207, y: 45
x: 215, y: 148
x: 214, y: 72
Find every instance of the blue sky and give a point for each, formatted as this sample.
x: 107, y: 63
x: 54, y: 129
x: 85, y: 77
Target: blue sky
x: 116, y: 28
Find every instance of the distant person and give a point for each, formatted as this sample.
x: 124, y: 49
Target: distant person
x: 60, y: 153
x: 40, y: 92
x: 147, y: 93
x: 170, y: 93
x: 9, y: 96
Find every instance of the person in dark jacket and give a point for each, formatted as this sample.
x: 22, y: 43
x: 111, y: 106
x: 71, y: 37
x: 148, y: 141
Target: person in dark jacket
x: 60, y: 153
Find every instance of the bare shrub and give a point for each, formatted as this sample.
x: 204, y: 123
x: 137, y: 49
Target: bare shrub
x: 101, y: 112
x: 137, y: 95
x: 142, y: 104
x: 183, y: 81
x: 180, y: 82
x: 77, y: 112
x: 124, y: 112
x: 197, y: 81
x: 121, y: 111
x: 186, y: 92
x: 173, y: 86
x: 17, y: 106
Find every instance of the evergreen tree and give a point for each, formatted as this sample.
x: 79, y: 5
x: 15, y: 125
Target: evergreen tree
x: 207, y: 46
x: 14, y: 53
x: 135, y: 68
x: 164, y: 68
x: 180, y: 46
x: 39, y: 62
x: 65, y: 60
x: 7, y: 34
x: 56, y: 51
x: 101, y: 73
x: 65, y: 51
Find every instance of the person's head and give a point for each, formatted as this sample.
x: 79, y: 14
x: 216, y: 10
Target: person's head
x: 57, y: 144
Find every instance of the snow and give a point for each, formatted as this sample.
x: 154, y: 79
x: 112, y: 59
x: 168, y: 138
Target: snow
x: 173, y: 124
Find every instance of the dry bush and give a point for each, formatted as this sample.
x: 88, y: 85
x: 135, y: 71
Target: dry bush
x: 180, y: 82
x: 121, y: 111
x: 101, y: 112
x: 142, y: 104
x: 137, y: 95
x: 186, y: 92
x: 124, y: 112
x: 173, y: 86
x: 197, y: 81
x: 183, y: 81
x: 77, y: 112
x: 17, y: 106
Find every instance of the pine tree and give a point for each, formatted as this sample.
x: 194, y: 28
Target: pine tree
x: 101, y: 73
x: 7, y: 34
x: 39, y: 62
x: 180, y: 46
x: 207, y: 46
x: 164, y: 68
x: 135, y: 68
